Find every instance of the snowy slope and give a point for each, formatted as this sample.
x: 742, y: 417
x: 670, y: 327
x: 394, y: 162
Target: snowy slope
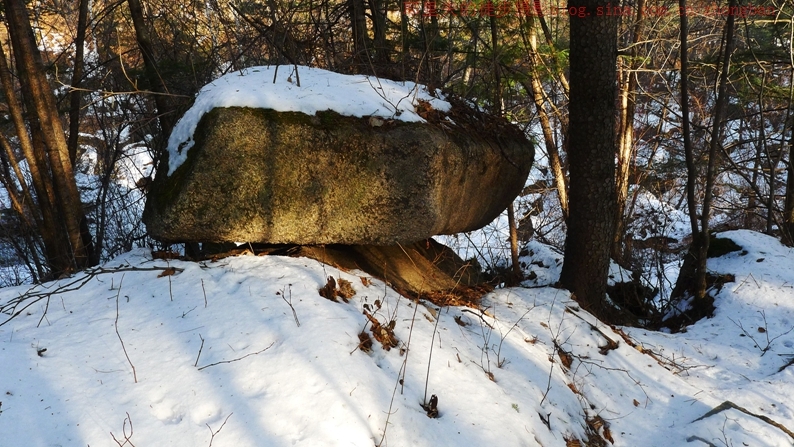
x: 241, y: 369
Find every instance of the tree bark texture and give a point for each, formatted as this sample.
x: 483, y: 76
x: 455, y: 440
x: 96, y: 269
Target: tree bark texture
x: 49, y: 145
x: 591, y: 153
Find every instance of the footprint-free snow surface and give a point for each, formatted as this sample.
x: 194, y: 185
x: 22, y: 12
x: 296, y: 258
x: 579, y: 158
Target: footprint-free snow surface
x: 245, y: 352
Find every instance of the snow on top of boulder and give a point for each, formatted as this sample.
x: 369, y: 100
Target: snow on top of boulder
x: 319, y: 90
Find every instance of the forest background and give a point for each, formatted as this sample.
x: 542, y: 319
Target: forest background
x: 702, y: 137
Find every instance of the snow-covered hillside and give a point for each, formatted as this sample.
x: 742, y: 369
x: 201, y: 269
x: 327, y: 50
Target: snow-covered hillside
x: 245, y: 352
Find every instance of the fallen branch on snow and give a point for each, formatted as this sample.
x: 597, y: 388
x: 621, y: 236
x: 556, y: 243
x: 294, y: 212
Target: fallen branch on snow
x: 237, y: 359
x: 33, y: 296
x: 727, y: 405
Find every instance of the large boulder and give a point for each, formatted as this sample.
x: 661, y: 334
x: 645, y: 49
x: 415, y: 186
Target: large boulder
x: 258, y: 175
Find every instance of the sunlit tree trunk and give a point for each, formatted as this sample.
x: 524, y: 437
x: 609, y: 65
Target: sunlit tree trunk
x: 535, y: 87
x: 77, y: 80
x: 67, y: 247
x: 625, y: 156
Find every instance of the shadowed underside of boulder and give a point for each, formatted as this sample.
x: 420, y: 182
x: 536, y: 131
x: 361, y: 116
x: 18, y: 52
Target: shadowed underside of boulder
x: 257, y: 175
x: 425, y: 269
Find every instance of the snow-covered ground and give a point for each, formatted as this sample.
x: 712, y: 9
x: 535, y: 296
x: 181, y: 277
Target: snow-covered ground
x: 244, y: 352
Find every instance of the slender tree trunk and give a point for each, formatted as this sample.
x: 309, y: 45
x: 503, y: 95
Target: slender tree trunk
x: 550, y: 42
x: 788, y: 207
x: 497, y: 110
x: 404, y: 38
x: 379, y: 30
x: 688, y: 270
x: 358, y: 21
x: 77, y: 81
x: 165, y: 108
x: 627, y: 103
x: 591, y: 156
x: 788, y: 210
x: 715, y: 137
x: 692, y: 277
x: 536, y: 89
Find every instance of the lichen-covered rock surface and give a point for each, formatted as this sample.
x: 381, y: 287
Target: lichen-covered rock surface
x: 258, y: 175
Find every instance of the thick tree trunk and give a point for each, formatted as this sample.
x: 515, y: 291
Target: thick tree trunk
x: 591, y: 156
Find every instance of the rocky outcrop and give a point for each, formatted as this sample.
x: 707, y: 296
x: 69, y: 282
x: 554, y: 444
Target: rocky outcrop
x: 257, y: 175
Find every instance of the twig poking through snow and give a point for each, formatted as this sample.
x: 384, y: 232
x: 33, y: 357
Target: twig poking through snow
x: 237, y: 359
x: 283, y: 294
x: 124, y: 432
x: 763, y: 330
x: 408, y: 349
x: 213, y: 433
x: 200, y: 349
x: 116, y: 325
x: 430, y: 358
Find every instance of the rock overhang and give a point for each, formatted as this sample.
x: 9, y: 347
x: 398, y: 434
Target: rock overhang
x: 260, y: 175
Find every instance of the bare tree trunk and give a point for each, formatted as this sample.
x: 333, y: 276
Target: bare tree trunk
x: 788, y: 207
x: 591, y: 154
x: 550, y: 42
x: 45, y: 125
x: 497, y: 104
x: 788, y: 211
x: 378, y: 12
x: 358, y: 21
x: 536, y: 89
x: 714, y: 143
x: 165, y: 109
x: 404, y: 38
x: 77, y: 80
x: 688, y: 270
x: 627, y: 102
x: 692, y: 277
